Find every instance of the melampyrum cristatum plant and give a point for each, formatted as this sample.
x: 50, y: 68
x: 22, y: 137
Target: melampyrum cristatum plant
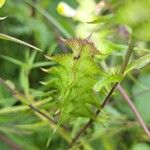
x: 73, y: 78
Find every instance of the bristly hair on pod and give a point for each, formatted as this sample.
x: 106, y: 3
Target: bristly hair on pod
x: 78, y: 43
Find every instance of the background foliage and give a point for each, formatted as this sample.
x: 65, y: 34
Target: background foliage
x: 40, y: 24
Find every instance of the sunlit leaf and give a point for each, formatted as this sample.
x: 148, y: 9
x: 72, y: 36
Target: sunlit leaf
x: 2, y: 3
x: 2, y: 18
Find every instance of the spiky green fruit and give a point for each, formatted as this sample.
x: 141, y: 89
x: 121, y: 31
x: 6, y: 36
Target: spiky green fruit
x: 73, y: 78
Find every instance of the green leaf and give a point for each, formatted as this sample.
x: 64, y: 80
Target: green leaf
x: 32, y: 58
x: 13, y: 39
x: 24, y: 80
x: 50, y: 18
x: 106, y: 81
x: 138, y: 63
x: 42, y: 64
x: 12, y: 60
x: 18, y: 109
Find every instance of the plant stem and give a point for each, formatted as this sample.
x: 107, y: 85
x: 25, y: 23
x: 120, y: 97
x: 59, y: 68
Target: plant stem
x: 14, y: 92
x: 134, y: 110
x: 109, y: 95
x: 11, y: 144
x: 42, y: 113
x: 3, y: 82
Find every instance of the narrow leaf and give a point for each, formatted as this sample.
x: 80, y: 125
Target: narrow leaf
x: 106, y: 81
x: 138, y: 63
x: 42, y: 64
x: 12, y: 60
x: 50, y: 18
x: 13, y: 39
x: 21, y: 108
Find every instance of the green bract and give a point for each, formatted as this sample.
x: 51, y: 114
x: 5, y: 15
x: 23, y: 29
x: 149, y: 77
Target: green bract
x: 73, y: 79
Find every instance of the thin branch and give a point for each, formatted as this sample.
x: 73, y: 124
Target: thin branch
x: 106, y: 100
x: 14, y: 93
x: 3, y: 82
x: 42, y: 113
x: 134, y: 110
x: 9, y: 142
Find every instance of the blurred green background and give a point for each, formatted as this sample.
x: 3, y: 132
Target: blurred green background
x: 38, y: 22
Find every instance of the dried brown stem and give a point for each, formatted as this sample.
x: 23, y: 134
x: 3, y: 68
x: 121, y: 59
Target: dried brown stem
x: 14, y: 92
x: 9, y: 142
x: 134, y: 110
x: 42, y: 113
